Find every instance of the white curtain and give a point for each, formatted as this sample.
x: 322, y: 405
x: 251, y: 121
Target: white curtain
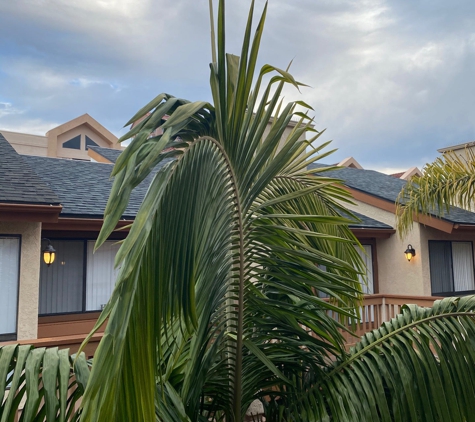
x: 462, y: 258
x: 9, y: 272
x: 101, y: 275
x: 367, y: 257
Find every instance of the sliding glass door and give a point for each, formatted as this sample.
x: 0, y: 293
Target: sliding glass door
x: 9, y: 280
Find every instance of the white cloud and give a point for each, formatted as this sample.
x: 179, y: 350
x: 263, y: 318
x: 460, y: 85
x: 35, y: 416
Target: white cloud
x: 6, y: 109
x: 384, y: 73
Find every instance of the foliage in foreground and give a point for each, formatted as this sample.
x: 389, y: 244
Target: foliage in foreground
x: 42, y: 383
x: 449, y: 180
x: 420, y: 366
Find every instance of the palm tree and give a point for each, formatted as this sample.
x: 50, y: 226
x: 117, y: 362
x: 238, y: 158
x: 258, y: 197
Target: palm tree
x: 449, y: 180
x: 218, y: 301
x: 216, y: 298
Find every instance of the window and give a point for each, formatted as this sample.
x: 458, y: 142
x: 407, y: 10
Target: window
x: 451, y: 267
x: 79, y: 280
x: 90, y: 143
x: 9, y: 278
x: 367, y: 257
x: 74, y: 143
x: 101, y: 274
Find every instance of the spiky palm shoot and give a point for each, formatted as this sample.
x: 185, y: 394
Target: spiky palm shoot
x: 449, y: 180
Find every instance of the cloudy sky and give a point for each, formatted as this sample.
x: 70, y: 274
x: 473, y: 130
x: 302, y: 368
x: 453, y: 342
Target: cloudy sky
x: 392, y: 81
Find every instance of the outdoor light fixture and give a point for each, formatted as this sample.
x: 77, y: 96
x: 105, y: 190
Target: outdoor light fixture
x: 49, y: 253
x: 410, y: 252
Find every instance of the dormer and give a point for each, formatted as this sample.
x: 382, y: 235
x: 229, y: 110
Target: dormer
x: 72, y: 139
x: 350, y: 162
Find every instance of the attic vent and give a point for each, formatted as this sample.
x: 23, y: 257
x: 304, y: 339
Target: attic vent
x: 74, y: 143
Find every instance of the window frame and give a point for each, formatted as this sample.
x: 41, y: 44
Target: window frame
x: 453, y: 292
x: 374, y: 262
x: 74, y: 138
x: 14, y: 336
x: 83, y: 143
x: 86, y: 146
x: 83, y: 310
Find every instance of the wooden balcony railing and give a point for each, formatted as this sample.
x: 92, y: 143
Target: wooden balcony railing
x: 380, y: 308
x: 69, y: 331
x: 66, y: 332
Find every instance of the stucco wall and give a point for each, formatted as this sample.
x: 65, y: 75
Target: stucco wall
x: 396, y: 275
x: 27, y: 144
x: 29, y: 276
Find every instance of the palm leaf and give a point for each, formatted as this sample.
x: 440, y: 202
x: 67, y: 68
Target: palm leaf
x: 449, y: 180
x: 42, y: 384
x: 420, y: 366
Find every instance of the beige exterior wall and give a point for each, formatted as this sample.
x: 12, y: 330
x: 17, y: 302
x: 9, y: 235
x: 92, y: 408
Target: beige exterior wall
x: 463, y: 151
x: 396, y: 275
x: 26, y: 144
x: 27, y: 323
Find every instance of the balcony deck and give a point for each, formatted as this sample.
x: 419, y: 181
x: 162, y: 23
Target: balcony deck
x: 69, y: 331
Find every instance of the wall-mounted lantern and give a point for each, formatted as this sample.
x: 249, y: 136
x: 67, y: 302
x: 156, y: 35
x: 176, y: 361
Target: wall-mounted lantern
x: 49, y: 253
x: 410, y: 252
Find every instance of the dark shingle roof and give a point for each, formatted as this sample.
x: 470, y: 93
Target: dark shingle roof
x: 369, y: 223
x: 386, y: 187
x: 108, y: 153
x: 83, y: 187
x: 19, y: 183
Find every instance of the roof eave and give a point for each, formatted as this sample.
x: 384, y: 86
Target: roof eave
x: 443, y: 225
x: 373, y: 232
x: 30, y: 212
x: 83, y: 224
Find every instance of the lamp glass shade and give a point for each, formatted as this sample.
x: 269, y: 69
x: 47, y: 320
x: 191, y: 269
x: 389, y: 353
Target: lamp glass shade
x: 410, y: 252
x: 49, y: 255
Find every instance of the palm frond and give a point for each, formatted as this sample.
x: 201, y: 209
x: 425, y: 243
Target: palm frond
x: 449, y: 180
x: 420, y: 366
x: 41, y: 384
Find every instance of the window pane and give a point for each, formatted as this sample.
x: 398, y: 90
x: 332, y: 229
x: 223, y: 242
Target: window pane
x: 462, y: 256
x: 90, y: 142
x: 9, y: 262
x: 74, y: 143
x: 441, y: 276
x: 101, y: 275
x: 61, y: 284
x: 367, y: 257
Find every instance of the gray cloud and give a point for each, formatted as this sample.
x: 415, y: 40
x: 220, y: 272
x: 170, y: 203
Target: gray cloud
x: 392, y: 81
